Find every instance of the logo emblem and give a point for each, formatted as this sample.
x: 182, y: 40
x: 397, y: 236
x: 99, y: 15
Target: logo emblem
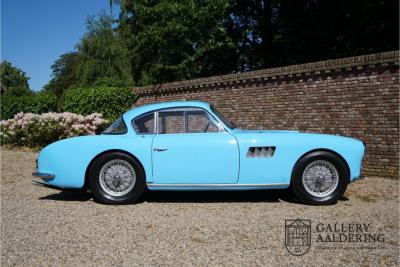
x: 297, y: 236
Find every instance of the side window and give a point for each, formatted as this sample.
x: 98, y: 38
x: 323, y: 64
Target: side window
x: 118, y: 127
x: 144, y: 124
x: 170, y: 122
x: 199, y: 121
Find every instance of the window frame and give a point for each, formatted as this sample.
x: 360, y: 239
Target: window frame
x: 142, y: 115
x: 225, y: 121
x: 220, y: 126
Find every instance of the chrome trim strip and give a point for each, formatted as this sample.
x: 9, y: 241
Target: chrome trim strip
x: 155, y: 114
x: 215, y: 185
x: 44, y: 176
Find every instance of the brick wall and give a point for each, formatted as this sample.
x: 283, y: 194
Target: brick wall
x: 356, y: 96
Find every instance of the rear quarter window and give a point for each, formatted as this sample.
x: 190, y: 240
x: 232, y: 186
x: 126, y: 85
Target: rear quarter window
x: 118, y: 127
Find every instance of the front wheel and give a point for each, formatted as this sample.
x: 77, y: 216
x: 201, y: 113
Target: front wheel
x: 116, y: 178
x: 319, y: 178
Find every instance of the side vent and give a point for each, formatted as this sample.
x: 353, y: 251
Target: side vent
x: 260, y: 152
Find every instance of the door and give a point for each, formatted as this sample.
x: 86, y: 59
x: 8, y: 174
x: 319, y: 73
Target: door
x: 192, y: 148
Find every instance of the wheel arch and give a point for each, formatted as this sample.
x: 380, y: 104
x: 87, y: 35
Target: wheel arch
x: 87, y: 171
x: 323, y: 150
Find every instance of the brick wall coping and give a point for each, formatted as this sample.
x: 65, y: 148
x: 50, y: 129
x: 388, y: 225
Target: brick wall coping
x: 300, y: 70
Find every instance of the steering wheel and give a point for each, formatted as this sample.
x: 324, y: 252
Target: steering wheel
x: 206, y: 129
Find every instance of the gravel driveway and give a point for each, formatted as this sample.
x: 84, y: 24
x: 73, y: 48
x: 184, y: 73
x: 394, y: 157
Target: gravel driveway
x: 41, y: 226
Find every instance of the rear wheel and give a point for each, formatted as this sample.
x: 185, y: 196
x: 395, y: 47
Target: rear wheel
x: 116, y: 178
x: 319, y: 178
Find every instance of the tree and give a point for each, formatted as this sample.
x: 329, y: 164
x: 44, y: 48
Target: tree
x: 64, y: 73
x: 272, y: 33
x: 253, y: 26
x: 323, y: 29
x: 175, y: 40
x: 102, y: 60
x: 157, y: 41
x: 13, y: 79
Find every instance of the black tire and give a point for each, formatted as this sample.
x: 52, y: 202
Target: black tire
x: 298, y: 186
x: 101, y: 195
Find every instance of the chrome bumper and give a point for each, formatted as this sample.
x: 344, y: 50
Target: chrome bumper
x: 44, y: 176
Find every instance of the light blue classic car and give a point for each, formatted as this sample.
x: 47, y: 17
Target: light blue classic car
x: 191, y: 146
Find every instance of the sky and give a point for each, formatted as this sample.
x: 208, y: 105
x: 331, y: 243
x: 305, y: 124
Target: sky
x: 34, y: 33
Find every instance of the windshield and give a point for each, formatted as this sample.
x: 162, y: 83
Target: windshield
x: 227, y: 122
x: 118, y: 127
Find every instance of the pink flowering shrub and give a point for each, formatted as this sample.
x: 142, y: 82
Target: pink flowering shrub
x: 34, y: 130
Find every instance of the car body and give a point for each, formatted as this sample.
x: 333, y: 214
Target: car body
x: 176, y: 148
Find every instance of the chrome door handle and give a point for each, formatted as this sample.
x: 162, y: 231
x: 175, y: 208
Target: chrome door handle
x: 158, y: 149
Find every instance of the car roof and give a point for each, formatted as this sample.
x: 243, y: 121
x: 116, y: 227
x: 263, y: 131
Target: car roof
x: 150, y: 107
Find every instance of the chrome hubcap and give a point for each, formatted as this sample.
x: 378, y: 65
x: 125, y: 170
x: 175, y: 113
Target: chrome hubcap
x: 117, y: 177
x: 320, y: 178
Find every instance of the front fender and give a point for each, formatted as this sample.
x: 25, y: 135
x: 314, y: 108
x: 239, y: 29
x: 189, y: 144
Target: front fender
x: 290, y: 147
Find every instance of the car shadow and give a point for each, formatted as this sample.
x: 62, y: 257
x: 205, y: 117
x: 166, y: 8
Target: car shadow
x: 217, y: 196
x: 267, y: 196
x: 68, y: 196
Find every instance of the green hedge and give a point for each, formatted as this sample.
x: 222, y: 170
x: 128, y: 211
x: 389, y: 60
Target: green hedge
x: 109, y: 101
x: 112, y: 102
x: 35, y: 103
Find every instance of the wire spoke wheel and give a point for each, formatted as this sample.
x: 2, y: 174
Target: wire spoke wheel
x: 117, y: 177
x: 320, y: 178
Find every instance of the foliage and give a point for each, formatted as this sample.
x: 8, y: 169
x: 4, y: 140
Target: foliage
x: 44, y: 102
x: 33, y: 102
x: 64, y: 73
x: 18, y: 91
x: 317, y: 30
x: 168, y: 40
x: 109, y: 101
x: 175, y: 40
x: 33, y: 130
x: 102, y: 58
x: 13, y: 77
